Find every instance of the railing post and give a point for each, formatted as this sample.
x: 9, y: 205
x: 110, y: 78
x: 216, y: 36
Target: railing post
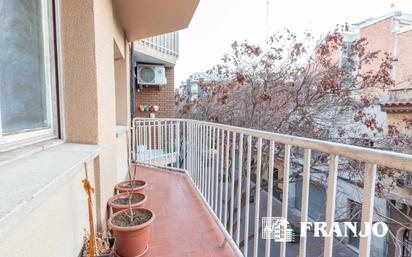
x: 145, y: 142
x: 232, y: 185
x: 217, y: 169
x: 222, y: 169
x: 257, y: 198
x: 208, y: 163
x: 184, y: 123
x: 305, y: 199
x: 239, y: 188
x: 285, y: 193
x: 226, y: 178
x: 212, y: 173
x: 367, y: 208
x: 270, y: 191
x: 330, y: 203
x: 198, y: 148
x: 247, y: 209
x: 150, y: 142
x: 133, y: 143
x: 202, y: 162
x: 178, y: 144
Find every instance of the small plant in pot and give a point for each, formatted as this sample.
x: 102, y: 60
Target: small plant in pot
x: 120, y: 202
x: 135, y: 185
x: 132, y: 228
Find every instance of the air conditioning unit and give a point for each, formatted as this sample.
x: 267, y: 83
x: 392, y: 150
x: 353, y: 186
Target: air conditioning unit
x: 151, y: 75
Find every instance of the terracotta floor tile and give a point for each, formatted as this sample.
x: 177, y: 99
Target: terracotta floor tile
x: 200, y: 254
x: 183, y: 226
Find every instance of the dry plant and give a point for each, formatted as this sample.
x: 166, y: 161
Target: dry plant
x: 132, y: 179
x: 102, y: 244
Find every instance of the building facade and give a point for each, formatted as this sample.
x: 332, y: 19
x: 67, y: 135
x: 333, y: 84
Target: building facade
x: 161, y: 51
x: 392, y: 34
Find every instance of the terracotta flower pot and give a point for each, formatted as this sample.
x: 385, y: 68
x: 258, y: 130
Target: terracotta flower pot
x: 132, y: 241
x: 123, y: 206
x: 122, y: 186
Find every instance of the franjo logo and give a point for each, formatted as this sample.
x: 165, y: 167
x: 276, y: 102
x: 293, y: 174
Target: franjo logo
x: 279, y: 229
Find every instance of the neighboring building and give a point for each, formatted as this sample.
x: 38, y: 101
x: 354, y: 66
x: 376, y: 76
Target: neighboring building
x: 392, y: 34
x: 192, y: 86
x: 399, y: 107
x: 65, y: 103
x: 155, y: 59
x: 382, y: 34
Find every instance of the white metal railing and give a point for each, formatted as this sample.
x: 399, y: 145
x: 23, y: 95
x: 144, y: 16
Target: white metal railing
x: 225, y: 164
x: 165, y: 43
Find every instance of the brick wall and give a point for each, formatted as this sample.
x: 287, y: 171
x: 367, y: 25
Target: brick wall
x: 379, y: 37
x: 404, y: 63
x: 162, y: 96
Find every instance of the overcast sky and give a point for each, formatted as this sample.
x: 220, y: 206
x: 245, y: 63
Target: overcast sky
x: 218, y: 23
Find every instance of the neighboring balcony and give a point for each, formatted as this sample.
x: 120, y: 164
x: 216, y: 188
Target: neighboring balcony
x: 222, y: 180
x: 161, y: 49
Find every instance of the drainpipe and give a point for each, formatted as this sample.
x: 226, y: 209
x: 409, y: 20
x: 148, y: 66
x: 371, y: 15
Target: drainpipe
x: 132, y: 82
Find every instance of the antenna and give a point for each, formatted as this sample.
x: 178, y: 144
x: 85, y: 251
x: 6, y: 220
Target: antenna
x: 267, y: 21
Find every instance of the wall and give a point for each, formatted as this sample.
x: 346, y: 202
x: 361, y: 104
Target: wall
x: 121, y: 153
x: 404, y: 63
x: 163, y: 96
x: 379, y: 37
x: 108, y: 34
x: 397, y: 119
x: 56, y: 226
x: 90, y: 35
x: 79, y: 71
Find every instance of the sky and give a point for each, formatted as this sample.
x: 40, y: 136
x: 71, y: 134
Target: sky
x: 216, y: 24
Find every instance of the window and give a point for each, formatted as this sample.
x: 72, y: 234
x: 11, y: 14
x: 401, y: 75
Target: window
x: 27, y: 78
x: 317, y: 200
x: 355, y: 210
x: 407, y: 243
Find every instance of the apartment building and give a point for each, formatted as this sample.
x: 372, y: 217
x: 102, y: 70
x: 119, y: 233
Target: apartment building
x: 154, y: 60
x: 65, y: 103
x: 391, y: 34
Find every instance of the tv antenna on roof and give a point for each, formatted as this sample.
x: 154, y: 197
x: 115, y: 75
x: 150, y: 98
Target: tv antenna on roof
x: 267, y: 21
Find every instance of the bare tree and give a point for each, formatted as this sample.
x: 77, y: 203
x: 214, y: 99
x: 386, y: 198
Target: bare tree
x: 291, y: 86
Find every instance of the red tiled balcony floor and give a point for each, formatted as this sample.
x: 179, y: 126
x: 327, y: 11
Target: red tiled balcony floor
x: 183, y: 226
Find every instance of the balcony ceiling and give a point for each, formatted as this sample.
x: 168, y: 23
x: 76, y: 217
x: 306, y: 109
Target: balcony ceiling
x: 146, y: 18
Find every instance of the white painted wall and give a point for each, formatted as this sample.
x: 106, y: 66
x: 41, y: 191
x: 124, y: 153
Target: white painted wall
x: 55, y: 226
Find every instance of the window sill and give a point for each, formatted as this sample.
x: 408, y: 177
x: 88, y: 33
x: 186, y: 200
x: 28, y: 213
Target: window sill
x: 25, y: 182
x: 21, y: 152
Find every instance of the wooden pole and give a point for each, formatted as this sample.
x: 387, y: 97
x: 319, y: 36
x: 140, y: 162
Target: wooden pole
x: 89, y: 190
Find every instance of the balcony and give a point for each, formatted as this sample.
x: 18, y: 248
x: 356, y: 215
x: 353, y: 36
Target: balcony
x: 162, y: 49
x: 229, y: 175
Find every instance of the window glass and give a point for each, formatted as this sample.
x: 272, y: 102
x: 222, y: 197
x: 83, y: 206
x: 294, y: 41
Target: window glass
x: 24, y: 66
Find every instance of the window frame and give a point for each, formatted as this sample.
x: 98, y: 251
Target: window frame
x: 30, y: 136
